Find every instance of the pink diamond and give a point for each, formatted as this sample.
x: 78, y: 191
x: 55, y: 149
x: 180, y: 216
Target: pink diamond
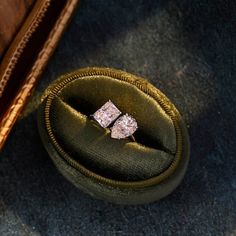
x: 106, y: 114
x: 124, y: 127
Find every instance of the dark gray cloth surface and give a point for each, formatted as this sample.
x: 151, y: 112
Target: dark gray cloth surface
x: 188, y: 50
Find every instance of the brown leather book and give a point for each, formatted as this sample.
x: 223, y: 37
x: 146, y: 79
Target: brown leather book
x: 29, y: 33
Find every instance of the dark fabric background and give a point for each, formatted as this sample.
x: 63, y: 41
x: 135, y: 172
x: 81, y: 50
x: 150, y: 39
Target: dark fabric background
x: 188, y: 50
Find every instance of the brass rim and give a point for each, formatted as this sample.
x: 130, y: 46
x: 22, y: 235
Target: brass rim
x: 144, y: 86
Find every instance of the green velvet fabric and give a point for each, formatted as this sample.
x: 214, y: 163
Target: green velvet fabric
x: 92, y: 146
x: 89, y: 93
x: 121, y: 171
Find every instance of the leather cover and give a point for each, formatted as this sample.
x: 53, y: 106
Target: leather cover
x: 17, y: 10
x: 29, y: 33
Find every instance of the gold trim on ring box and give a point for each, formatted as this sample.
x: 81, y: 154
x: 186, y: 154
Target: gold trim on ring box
x: 144, y: 86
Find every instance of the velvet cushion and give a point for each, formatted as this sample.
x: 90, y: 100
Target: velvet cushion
x: 66, y: 109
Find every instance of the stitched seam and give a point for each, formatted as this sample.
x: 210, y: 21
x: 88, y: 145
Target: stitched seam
x: 21, y: 45
x: 17, y: 106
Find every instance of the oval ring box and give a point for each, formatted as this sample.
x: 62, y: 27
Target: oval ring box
x: 120, y: 171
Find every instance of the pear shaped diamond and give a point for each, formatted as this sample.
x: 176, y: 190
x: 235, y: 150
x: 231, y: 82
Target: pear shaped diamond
x: 124, y: 127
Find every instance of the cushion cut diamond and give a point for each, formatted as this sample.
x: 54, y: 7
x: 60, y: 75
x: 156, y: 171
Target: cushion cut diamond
x: 107, y: 114
x: 124, y: 127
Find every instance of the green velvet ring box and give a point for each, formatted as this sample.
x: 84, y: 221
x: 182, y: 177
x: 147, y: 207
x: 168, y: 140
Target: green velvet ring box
x: 121, y: 171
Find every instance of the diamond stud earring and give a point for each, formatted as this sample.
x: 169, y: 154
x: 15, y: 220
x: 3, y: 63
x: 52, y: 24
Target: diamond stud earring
x: 106, y: 114
x: 124, y: 127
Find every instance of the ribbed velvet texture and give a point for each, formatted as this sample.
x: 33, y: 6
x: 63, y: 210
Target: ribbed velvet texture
x: 89, y: 144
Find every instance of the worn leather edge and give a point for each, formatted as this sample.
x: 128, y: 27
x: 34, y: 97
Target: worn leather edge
x: 17, y: 46
x: 47, y: 50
